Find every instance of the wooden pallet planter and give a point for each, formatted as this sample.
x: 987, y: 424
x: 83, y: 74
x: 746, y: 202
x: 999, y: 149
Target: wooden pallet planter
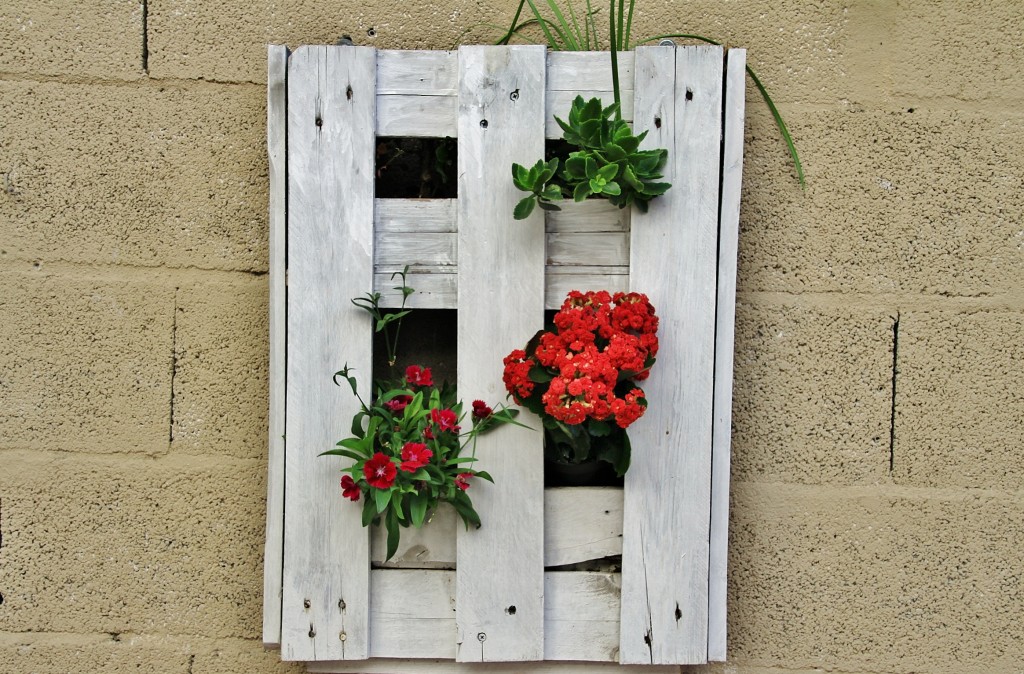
x: 490, y: 595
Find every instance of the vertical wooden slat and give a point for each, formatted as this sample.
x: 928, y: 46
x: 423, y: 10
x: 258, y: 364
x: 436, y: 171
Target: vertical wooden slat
x: 500, y: 586
x: 725, y: 325
x: 673, y: 259
x: 325, y: 610
x: 277, y: 68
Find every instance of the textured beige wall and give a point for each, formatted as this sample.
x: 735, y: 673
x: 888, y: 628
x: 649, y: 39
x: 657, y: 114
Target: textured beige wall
x: 133, y: 351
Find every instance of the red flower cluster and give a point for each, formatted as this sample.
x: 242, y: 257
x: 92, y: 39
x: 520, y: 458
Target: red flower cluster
x: 599, y: 341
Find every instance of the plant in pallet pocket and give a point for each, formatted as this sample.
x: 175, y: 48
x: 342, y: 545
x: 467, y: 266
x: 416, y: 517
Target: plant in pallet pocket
x: 407, y: 444
x: 569, y: 30
x: 608, y: 163
x: 580, y: 376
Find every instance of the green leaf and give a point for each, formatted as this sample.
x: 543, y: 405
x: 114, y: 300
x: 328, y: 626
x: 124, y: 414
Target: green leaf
x: 519, y: 177
x: 608, y: 172
x: 343, y: 452
x: 612, y: 188
x: 418, y: 510
x: 381, y: 498
x: 484, y: 475
x: 582, y: 191
x: 393, y: 534
x: 524, y: 208
x: 369, y: 512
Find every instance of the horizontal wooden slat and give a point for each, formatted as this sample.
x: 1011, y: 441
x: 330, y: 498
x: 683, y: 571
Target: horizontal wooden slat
x: 425, y: 73
x: 580, y: 524
x: 419, y: 250
x: 436, y: 251
x: 580, y: 70
x: 399, y: 666
x: 438, y: 291
x: 438, y: 215
x: 416, y: 116
x: 417, y: 90
x: 433, y: 290
x: 414, y: 215
x: 589, y: 248
x: 413, y: 615
x: 589, y: 215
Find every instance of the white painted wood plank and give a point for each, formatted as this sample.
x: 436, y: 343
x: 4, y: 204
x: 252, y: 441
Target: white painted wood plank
x: 589, y: 215
x: 413, y: 613
x: 388, y: 666
x: 419, y: 72
x: 396, y: 216
x: 330, y: 238
x: 674, y: 258
x: 501, y: 292
x: 588, y: 249
x: 433, y: 290
x: 439, y: 291
x: 416, y: 116
x: 725, y: 327
x: 421, y: 251
x: 582, y: 70
x: 581, y: 524
x: 277, y: 68
x: 581, y: 616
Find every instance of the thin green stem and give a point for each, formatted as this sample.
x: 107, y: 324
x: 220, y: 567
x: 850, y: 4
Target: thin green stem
x: 615, y: 59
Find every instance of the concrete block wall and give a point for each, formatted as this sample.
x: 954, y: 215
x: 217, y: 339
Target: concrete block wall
x: 878, y: 498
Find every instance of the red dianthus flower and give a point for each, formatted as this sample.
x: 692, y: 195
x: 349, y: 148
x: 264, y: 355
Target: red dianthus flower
x: 349, y: 489
x: 380, y: 471
x: 415, y: 455
x: 418, y: 376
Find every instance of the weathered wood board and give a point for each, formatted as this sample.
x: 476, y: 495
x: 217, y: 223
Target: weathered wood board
x: 674, y: 254
x: 501, y: 295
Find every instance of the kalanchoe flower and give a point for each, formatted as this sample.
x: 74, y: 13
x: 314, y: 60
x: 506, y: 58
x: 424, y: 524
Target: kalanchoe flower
x: 481, y: 410
x: 398, y: 403
x: 415, y: 455
x: 445, y: 420
x: 462, y: 480
x: 418, y: 376
x: 380, y: 471
x: 349, y: 488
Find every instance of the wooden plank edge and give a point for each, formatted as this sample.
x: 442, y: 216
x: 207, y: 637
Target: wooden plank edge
x: 725, y: 326
x: 273, y: 552
x: 393, y: 666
